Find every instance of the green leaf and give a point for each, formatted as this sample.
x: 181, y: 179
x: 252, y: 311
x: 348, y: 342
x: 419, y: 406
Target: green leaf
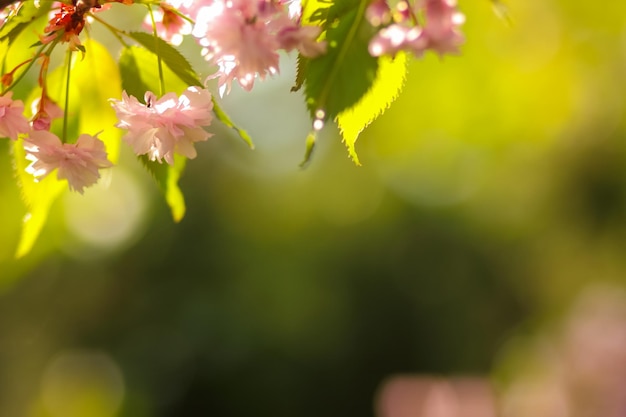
x: 315, y: 11
x: 173, y: 195
x: 15, y: 24
x: 170, y: 56
x: 310, y: 146
x: 338, y: 79
x: 138, y: 67
x: 223, y: 117
x: 167, y: 177
x: 94, y: 80
x: 132, y: 81
x: 386, y: 88
x: 38, y: 198
x: 139, y: 70
x: 300, y: 73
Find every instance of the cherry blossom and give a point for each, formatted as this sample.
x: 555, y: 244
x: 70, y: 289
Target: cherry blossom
x: 394, y: 38
x: 44, y: 109
x: 78, y: 163
x: 378, y: 13
x: 12, y: 120
x: 439, y: 33
x: 243, y: 38
x: 160, y: 128
x: 301, y: 38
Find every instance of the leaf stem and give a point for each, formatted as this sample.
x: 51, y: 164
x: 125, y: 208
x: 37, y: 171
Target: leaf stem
x: 67, y: 95
x: 156, y: 47
x: 115, y: 31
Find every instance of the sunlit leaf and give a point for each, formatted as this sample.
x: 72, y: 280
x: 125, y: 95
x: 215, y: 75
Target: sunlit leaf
x: 94, y: 80
x: 139, y: 72
x: 310, y: 146
x: 26, y: 14
x: 386, y: 88
x: 132, y: 81
x: 315, y: 11
x: 173, y: 194
x: 38, y: 198
x: 170, y: 56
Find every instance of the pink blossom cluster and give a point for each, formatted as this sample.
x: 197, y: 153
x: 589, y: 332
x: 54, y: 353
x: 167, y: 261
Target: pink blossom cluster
x: 78, y: 163
x: 402, y: 29
x: 242, y: 37
x: 160, y: 128
x: 12, y: 121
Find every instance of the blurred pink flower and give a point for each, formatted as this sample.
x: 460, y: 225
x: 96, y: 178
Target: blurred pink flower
x: 170, y: 26
x: 378, y: 13
x: 393, y: 39
x: 424, y: 396
x: 238, y: 41
x: 302, y: 38
x: 78, y: 163
x: 45, y: 109
x: 12, y: 120
x: 242, y: 37
x: 165, y: 126
x: 441, y: 32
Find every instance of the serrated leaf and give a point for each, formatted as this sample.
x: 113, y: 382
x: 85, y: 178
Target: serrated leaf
x: 224, y: 118
x: 338, y: 79
x: 315, y: 10
x: 386, y: 88
x: 140, y: 73
x: 132, y: 81
x: 300, y: 73
x: 170, y: 56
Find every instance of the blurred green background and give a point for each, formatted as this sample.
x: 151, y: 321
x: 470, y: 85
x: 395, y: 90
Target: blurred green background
x: 493, y: 192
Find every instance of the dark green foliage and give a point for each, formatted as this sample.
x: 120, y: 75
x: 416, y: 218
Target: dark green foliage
x: 337, y: 80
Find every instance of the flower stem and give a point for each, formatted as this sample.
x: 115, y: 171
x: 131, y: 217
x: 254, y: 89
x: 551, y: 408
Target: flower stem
x: 156, y: 47
x: 116, y: 32
x: 19, y: 77
x: 67, y: 95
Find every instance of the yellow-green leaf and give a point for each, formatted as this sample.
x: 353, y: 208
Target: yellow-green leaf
x: 94, y: 80
x: 173, y: 194
x: 38, y: 198
x: 389, y: 81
